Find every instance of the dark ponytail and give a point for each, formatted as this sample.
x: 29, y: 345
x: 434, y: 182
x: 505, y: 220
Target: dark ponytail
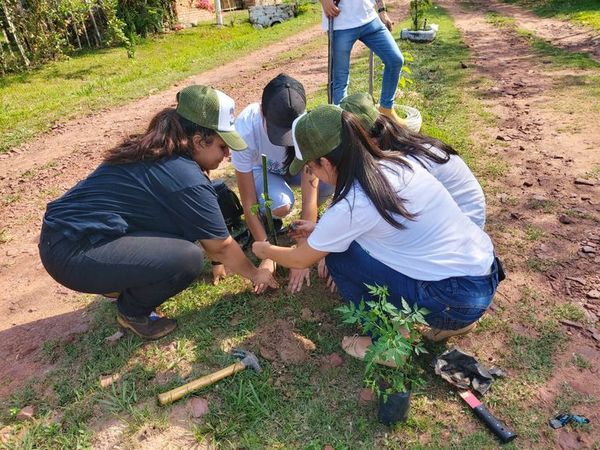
x: 394, y: 137
x: 357, y: 159
x: 168, y: 134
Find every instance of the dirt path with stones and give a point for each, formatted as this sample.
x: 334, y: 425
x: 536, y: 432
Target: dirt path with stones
x: 543, y: 214
x: 34, y: 307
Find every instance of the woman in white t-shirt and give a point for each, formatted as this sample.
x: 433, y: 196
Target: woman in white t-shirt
x: 439, y: 158
x: 390, y: 223
x: 266, y: 128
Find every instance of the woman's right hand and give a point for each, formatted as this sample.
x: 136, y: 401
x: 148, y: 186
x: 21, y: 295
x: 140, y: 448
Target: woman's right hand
x: 262, y: 280
x: 324, y: 273
x: 302, y: 229
x: 329, y: 8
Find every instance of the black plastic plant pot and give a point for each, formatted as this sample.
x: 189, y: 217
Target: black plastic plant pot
x: 394, y: 409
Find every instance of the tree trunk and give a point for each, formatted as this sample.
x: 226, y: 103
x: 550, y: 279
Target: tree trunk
x: 74, y: 24
x: 14, y: 33
x: 91, y: 11
x: 87, y: 37
x: 8, y: 43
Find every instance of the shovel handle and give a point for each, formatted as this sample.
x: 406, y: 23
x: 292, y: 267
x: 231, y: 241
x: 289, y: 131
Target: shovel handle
x: 175, y: 394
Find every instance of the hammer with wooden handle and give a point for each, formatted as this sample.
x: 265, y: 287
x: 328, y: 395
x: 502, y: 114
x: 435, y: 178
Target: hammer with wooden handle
x: 248, y: 359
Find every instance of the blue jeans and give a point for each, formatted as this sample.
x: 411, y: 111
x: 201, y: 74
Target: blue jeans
x: 379, y: 39
x: 452, y: 303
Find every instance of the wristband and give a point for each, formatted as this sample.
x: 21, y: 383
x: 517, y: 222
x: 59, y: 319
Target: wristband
x: 216, y: 263
x: 382, y: 9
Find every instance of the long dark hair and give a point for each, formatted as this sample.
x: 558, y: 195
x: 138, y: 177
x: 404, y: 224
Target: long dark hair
x: 290, y: 154
x: 394, y: 137
x: 357, y: 159
x: 168, y: 134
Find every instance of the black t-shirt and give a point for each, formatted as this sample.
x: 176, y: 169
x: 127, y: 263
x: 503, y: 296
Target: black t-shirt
x: 171, y: 195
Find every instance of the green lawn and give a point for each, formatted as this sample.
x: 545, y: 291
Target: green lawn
x: 33, y: 101
x: 583, y: 11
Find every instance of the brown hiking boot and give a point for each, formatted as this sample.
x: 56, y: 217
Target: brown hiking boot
x: 147, y: 327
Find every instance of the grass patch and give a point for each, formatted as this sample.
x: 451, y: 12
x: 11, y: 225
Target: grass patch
x: 542, y: 204
x: 534, y: 355
x: 498, y: 20
x: 533, y: 233
x: 90, y: 81
x: 559, y: 57
x: 580, y: 362
x: 541, y: 265
x: 569, y: 311
x: 568, y: 398
x: 580, y: 214
x: 582, y: 11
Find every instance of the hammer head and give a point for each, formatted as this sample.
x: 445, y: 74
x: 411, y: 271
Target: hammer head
x: 248, y: 359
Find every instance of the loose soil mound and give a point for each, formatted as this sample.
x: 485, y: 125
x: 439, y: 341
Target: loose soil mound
x: 278, y: 342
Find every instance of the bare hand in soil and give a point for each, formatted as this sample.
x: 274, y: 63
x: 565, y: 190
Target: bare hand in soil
x: 219, y: 272
x: 302, y: 229
x: 297, y: 279
x: 263, y: 280
x: 329, y: 8
x: 322, y: 269
x: 331, y: 284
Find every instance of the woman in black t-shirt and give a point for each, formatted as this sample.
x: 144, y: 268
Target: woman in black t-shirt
x: 130, y: 226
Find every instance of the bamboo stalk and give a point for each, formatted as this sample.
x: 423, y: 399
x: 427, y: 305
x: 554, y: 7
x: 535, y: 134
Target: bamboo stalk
x: 74, y: 25
x: 87, y: 37
x: 14, y: 33
x: 8, y: 43
x: 91, y: 13
x: 268, y: 200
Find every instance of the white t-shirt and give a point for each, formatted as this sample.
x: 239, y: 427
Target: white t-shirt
x: 353, y: 14
x: 249, y: 124
x: 440, y: 243
x: 460, y: 182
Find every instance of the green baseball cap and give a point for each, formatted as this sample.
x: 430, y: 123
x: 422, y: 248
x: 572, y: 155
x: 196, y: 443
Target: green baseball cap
x: 362, y: 106
x: 315, y: 134
x: 210, y: 109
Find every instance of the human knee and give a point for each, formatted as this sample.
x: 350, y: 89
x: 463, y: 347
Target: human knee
x: 394, y: 62
x: 190, y: 261
x: 282, y: 211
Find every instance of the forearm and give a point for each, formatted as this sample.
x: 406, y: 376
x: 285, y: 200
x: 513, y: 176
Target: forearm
x: 232, y: 256
x: 300, y: 257
x: 255, y: 225
x: 310, y: 196
x: 245, y: 181
x: 380, y: 6
x: 287, y: 257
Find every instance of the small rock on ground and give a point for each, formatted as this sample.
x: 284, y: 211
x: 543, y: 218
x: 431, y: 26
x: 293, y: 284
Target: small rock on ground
x: 26, y: 413
x: 593, y: 294
x: 565, y: 219
x: 365, y: 395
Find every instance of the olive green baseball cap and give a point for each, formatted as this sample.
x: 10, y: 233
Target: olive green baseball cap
x: 210, y: 109
x: 362, y: 106
x: 315, y: 134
